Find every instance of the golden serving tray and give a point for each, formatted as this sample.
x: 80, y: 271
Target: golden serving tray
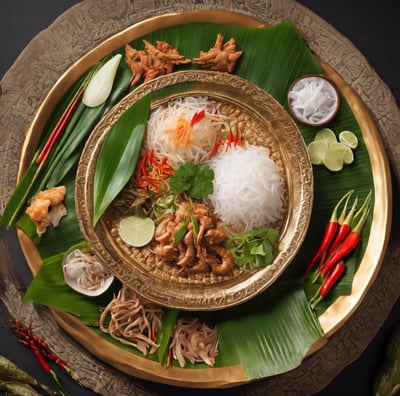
x: 331, y: 320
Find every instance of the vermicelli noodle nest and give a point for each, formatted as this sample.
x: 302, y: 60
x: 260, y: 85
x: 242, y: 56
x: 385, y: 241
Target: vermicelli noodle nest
x: 248, y: 188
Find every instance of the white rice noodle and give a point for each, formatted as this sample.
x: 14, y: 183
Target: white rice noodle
x: 203, y: 135
x: 248, y: 188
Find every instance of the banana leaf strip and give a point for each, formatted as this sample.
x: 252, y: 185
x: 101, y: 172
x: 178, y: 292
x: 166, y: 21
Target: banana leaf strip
x: 17, y: 201
x: 119, y: 154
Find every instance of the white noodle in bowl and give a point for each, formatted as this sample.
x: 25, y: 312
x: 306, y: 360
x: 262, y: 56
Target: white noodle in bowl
x: 248, y: 188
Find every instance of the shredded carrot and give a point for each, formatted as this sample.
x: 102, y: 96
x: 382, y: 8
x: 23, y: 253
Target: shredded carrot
x: 182, y: 134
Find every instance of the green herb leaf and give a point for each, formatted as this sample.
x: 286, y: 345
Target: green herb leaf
x: 195, y: 227
x: 256, y: 248
x: 119, y: 154
x: 196, y: 180
x: 178, y: 236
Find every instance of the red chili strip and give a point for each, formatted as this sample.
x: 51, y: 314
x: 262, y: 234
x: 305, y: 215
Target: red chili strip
x: 197, y: 117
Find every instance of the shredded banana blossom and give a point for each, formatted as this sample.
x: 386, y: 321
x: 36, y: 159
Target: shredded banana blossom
x: 132, y: 320
x: 194, y: 341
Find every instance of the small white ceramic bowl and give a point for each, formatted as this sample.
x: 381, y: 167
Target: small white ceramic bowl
x: 73, y: 284
x: 313, y: 99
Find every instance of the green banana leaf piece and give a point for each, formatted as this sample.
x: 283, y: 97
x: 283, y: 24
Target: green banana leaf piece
x: 119, y: 154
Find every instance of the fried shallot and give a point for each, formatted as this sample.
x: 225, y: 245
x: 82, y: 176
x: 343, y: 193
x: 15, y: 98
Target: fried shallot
x: 152, y: 61
x: 222, y: 57
x: 46, y: 208
x: 132, y: 320
x: 194, y: 341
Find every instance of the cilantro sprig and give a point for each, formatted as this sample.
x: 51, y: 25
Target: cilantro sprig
x: 195, y: 180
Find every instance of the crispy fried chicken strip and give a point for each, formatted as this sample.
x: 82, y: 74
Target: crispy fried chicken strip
x: 152, y: 61
x: 222, y: 57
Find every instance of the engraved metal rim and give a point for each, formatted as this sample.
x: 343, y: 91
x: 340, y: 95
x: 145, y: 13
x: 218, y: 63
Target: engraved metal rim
x: 298, y: 171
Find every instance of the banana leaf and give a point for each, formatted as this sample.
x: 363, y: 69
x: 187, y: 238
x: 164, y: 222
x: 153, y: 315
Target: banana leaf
x: 263, y: 334
x: 119, y: 154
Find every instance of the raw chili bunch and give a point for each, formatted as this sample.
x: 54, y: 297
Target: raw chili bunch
x: 41, y: 350
x: 341, y: 237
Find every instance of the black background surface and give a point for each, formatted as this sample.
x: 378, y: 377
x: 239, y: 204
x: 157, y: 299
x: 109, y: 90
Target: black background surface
x: 373, y: 27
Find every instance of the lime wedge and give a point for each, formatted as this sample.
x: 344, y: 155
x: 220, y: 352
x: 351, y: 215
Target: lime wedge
x: 349, y: 139
x: 325, y: 135
x: 136, y: 231
x: 316, y: 151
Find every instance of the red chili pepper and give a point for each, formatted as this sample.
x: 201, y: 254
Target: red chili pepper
x: 40, y: 357
x: 343, y: 231
x: 328, y: 283
x: 197, y: 117
x: 329, y: 233
x: 350, y: 243
x: 31, y: 340
x: 42, y: 361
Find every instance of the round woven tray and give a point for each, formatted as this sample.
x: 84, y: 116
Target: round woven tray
x: 83, y: 27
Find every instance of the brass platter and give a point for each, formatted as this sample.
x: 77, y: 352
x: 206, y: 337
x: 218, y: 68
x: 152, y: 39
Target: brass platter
x: 331, y: 320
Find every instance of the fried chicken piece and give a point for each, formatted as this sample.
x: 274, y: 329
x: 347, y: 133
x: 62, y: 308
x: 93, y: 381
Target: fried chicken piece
x: 222, y: 57
x: 152, y: 61
x: 46, y: 208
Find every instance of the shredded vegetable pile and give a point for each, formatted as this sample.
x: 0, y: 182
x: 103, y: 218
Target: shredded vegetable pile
x: 185, y: 129
x: 313, y: 99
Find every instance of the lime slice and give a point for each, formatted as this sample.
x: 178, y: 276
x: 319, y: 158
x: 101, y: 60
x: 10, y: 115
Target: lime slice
x: 325, y: 135
x: 136, y: 231
x: 348, y: 156
x: 349, y: 139
x: 316, y: 151
x: 334, y: 156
